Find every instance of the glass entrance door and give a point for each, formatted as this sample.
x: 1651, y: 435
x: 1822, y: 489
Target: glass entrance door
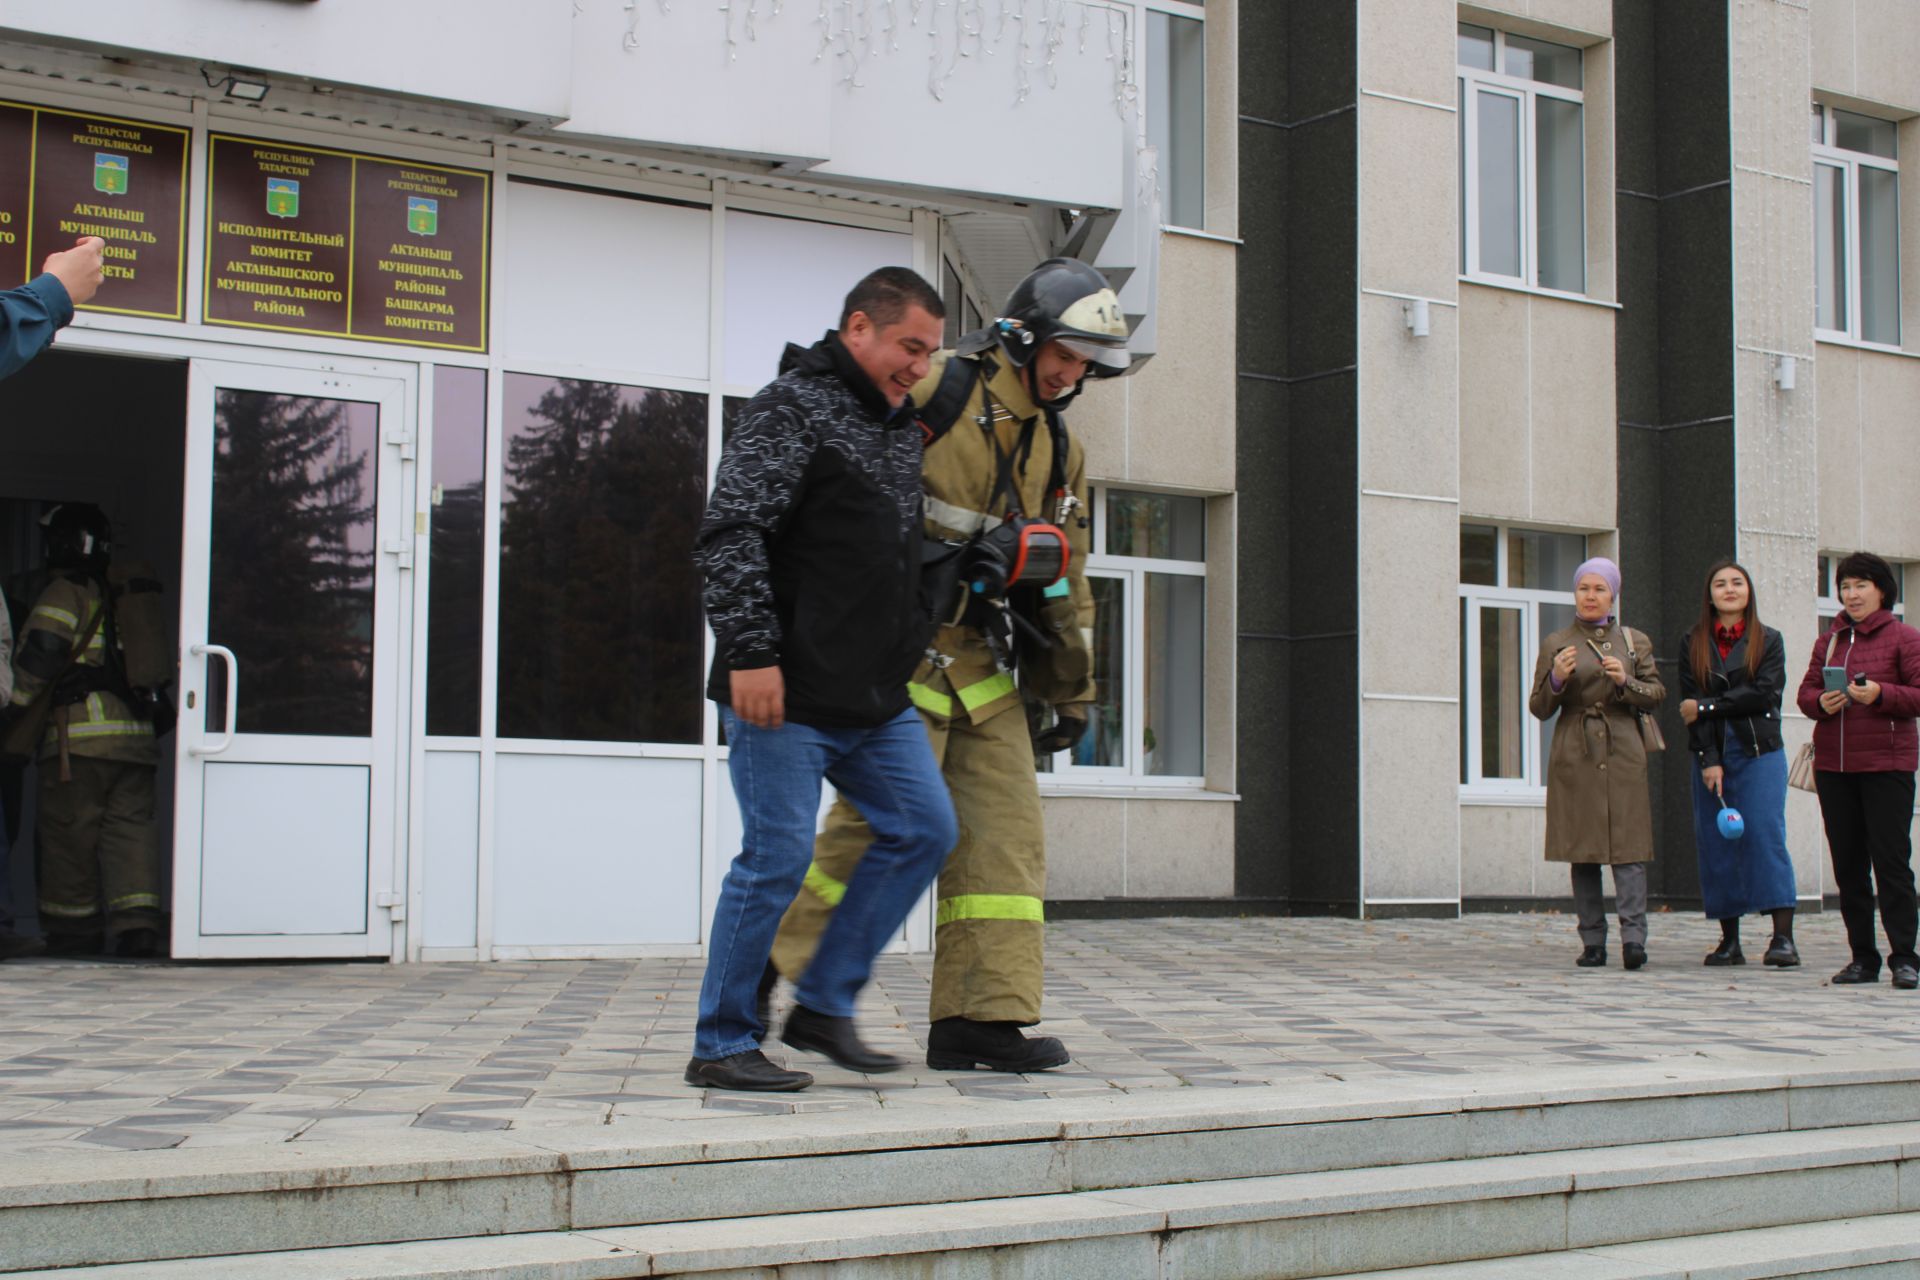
x: 290, y: 735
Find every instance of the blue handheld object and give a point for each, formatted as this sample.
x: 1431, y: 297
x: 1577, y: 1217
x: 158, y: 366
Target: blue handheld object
x: 1732, y: 825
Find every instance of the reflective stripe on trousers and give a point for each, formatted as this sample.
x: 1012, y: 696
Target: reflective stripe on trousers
x: 824, y: 886
x: 990, y: 906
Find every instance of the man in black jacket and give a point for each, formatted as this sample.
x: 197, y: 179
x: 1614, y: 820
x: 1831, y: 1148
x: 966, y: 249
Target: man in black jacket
x: 811, y: 551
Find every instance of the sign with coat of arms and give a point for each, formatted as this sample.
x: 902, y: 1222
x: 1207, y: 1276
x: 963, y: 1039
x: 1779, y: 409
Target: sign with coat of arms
x: 351, y: 245
x: 64, y: 176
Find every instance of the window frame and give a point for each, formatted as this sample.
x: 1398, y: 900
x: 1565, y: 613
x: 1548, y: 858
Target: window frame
x: 1133, y: 572
x: 1828, y: 152
x: 972, y: 299
x: 1531, y: 787
x: 1469, y: 81
x: 499, y: 497
x: 1826, y: 604
x: 1143, y: 64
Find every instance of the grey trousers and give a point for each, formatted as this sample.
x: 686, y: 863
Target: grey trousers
x: 1630, y: 898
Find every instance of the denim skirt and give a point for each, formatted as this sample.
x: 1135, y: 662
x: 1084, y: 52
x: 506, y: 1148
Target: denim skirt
x: 1755, y: 873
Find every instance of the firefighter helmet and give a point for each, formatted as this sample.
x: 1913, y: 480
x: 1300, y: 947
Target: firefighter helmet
x: 77, y: 535
x: 1065, y: 300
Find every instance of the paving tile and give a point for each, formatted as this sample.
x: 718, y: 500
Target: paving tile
x: 128, y: 1139
x: 111, y: 1057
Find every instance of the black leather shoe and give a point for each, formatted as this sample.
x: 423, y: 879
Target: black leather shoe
x: 750, y: 1071
x: 1633, y: 955
x: 1856, y: 974
x: 1782, y: 953
x: 15, y: 947
x: 1592, y: 957
x: 73, y: 944
x: 961, y: 1044
x: 763, y: 998
x: 836, y: 1038
x: 1728, y: 952
x: 1905, y: 977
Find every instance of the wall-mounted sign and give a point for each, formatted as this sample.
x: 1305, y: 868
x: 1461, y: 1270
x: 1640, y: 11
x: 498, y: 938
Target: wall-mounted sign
x: 63, y: 176
x: 306, y: 240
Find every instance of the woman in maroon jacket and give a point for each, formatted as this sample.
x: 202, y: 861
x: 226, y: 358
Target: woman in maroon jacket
x: 1864, y: 755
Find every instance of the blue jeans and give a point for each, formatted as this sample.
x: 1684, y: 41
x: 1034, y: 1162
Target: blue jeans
x: 889, y: 774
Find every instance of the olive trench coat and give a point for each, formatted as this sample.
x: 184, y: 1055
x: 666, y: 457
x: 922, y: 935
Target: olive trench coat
x: 1598, y: 809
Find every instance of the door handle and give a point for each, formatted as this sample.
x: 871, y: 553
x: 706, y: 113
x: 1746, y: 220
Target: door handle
x: 233, y: 699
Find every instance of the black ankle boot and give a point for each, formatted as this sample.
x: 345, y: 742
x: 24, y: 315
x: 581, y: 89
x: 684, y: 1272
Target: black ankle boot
x: 961, y: 1044
x: 1728, y: 952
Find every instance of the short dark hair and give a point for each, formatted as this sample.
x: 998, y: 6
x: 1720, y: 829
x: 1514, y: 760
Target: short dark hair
x: 885, y: 295
x: 1865, y: 564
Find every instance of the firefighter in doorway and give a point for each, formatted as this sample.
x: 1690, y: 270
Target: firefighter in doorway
x: 93, y: 658
x: 997, y: 455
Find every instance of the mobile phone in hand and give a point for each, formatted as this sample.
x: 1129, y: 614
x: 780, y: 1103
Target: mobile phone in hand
x: 1834, y: 678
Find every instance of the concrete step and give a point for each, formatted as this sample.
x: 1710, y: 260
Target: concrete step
x: 1558, y: 1205
x: 139, y: 1206
x: 1876, y: 1248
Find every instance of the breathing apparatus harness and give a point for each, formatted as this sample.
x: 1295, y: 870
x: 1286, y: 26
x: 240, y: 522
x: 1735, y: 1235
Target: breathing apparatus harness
x: 972, y: 582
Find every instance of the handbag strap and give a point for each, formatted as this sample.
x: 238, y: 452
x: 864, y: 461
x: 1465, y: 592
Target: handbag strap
x: 1626, y: 642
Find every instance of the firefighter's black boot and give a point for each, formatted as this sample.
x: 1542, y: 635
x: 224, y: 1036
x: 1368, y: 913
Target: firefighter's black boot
x: 961, y: 1044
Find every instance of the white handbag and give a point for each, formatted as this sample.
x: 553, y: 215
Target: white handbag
x: 1800, y: 772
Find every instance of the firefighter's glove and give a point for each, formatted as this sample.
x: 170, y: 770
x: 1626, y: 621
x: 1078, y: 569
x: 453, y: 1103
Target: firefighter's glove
x: 1069, y: 726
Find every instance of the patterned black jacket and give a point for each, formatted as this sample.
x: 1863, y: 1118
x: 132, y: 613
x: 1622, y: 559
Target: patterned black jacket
x: 811, y: 543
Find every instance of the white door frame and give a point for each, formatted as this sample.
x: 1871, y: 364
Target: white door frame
x: 394, y: 387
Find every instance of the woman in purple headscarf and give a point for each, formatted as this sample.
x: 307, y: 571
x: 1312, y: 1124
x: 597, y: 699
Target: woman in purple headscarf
x: 1599, y: 678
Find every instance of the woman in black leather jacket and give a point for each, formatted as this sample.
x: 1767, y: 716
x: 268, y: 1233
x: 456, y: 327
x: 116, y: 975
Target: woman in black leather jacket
x: 1733, y: 671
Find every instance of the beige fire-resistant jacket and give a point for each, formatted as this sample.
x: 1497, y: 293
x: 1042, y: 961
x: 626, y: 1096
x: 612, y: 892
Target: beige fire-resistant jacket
x: 959, y: 475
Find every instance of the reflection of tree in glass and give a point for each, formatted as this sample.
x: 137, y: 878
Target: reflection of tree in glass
x: 453, y: 610
x: 292, y: 559
x: 600, y: 634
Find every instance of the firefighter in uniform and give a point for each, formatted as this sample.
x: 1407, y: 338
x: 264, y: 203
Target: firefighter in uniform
x: 996, y: 459
x: 98, y: 757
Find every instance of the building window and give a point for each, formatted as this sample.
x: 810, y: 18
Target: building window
x: 958, y: 292
x: 1827, y: 603
x: 954, y: 298
x: 1176, y: 93
x: 291, y: 563
x: 457, y: 551
x: 1148, y: 576
x: 600, y: 625
x: 1856, y: 227
x: 1522, y: 161
x: 1515, y: 590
